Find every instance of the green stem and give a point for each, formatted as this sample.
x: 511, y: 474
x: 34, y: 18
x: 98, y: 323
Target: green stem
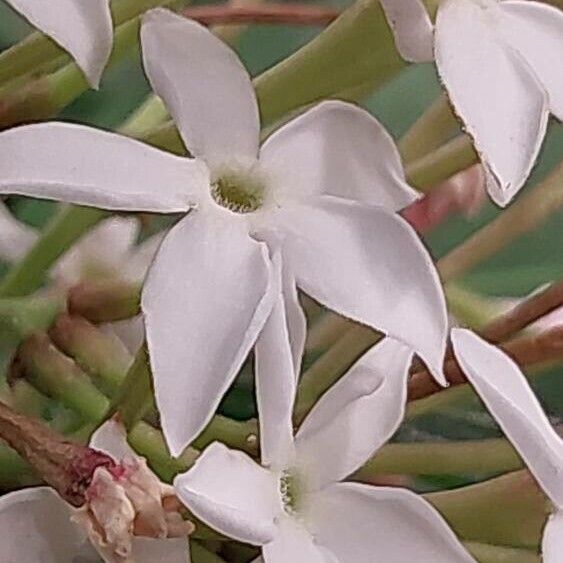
x: 442, y: 458
x: 29, y: 274
x: 486, y: 553
x: 199, y: 554
x: 529, y: 211
x: 508, y: 510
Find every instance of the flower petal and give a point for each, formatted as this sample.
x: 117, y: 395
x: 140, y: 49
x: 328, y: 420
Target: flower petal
x: 296, y: 320
x: 552, y: 543
x: 104, y: 250
x: 412, y: 29
x: 16, y: 238
x: 111, y: 438
x: 276, y: 384
x: 149, y: 550
x: 369, y: 265
x: 232, y: 493
x: 35, y: 525
x: 83, y: 165
x: 536, y: 31
x: 204, y: 85
x: 508, y: 396
x: 361, y: 523
x: 293, y: 543
x: 141, y: 257
x: 84, y: 29
x: 205, y: 301
x: 338, y: 149
x: 493, y: 90
x: 357, y: 415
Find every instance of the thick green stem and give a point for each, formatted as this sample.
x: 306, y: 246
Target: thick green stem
x: 510, y: 510
x: 442, y: 458
x: 486, y: 553
x: 29, y: 274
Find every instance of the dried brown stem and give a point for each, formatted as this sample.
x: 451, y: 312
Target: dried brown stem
x: 525, y: 351
x: 292, y: 14
x: 66, y: 466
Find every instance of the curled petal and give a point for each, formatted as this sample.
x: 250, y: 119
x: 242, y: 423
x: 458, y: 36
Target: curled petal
x: 84, y: 29
x: 508, y: 396
x: 338, y: 149
x: 412, y: 29
x: 494, y: 91
x: 368, y: 264
x: 361, y: 523
x: 111, y: 438
x: 357, y: 415
x: 86, y: 166
x: 205, y: 300
x: 536, y: 31
x: 205, y: 86
x: 35, y: 525
x: 217, y: 490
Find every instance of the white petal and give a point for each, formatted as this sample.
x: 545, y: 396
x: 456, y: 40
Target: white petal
x: 205, y: 301
x: 293, y: 543
x: 552, y: 543
x: 16, y: 238
x: 357, y: 415
x: 493, y: 90
x: 369, y: 265
x: 363, y: 524
x: 35, y: 525
x: 232, y: 493
x: 338, y: 149
x: 412, y: 29
x: 111, y: 438
x: 276, y: 384
x: 536, y: 31
x: 82, y: 165
x: 103, y: 250
x: 84, y: 29
x: 296, y: 320
x: 141, y: 257
x: 205, y: 86
x: 505, y: 391
x: 148, y: 550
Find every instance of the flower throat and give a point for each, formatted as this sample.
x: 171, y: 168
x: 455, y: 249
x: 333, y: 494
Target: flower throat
x: 238, y: 192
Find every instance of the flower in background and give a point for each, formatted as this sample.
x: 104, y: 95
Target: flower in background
x: 301, y: 510
x: 500, y: 62
x: 324, y: 188
x: 129, y: 515
x: 84, y: 29
x: 108, y: 251
x: 509, y: 398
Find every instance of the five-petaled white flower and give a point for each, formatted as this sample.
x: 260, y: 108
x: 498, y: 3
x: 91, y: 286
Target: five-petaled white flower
x: 300, y: 510
x: 128, y: 516
x: 324, y: 188
x: 500, y: 62
x: 84, y: 29
x: 505, y: 391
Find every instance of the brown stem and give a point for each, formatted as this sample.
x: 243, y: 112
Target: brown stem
x: 292, y: 14
x: 66, y: 466
x: 536, y: 306
x: 525, y: 351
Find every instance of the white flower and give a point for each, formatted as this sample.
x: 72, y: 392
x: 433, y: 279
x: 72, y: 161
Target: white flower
x: 295, y: 505
x: 124, y: 520
x: 505, y: 391
x: 500, y: 62
x: 324, y: 188
x: 83, y: 28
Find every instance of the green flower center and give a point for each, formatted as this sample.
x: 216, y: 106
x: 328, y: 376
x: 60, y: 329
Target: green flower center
x: 290, y: 489
x: 238, y: 192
